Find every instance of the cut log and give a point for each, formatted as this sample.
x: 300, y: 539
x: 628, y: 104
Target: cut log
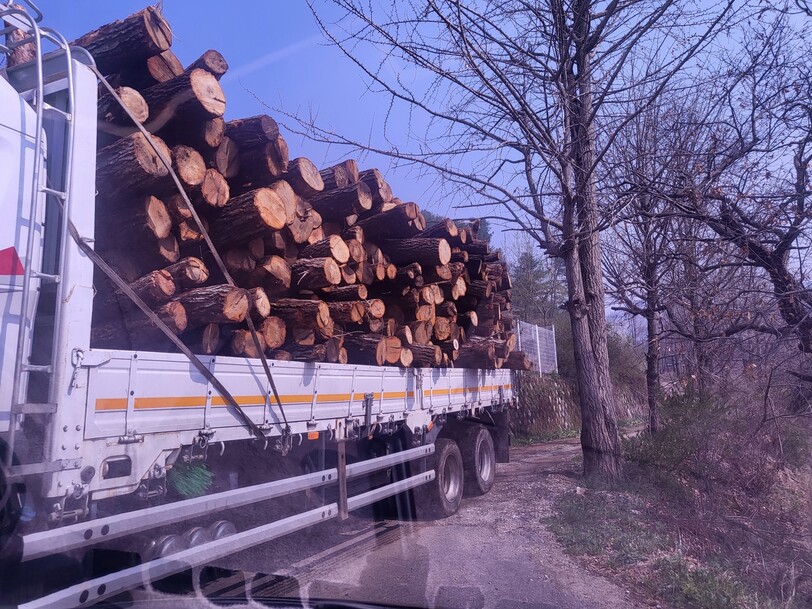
x: 354, y: 233
x: 331, y: 247
x: 338, y: 203
x: 188, y: 165
x: 447, y: 309
x: 309, y: 314
x: 406, y: 358
x: 428, y: 252
x: 154, y: 288
x: 213, y: 191
x: 442, y: 328
x: 426, y: 356
x: 260, y: 305
x: 271, y: 273
x: 392, y: 224
x: 304, y: 177
x: 274, y: 332
x: 188, y: 272
x: 110, y: 111
x: 346, y: 312
x: 123, y: 43
x: 239, y: 262
x: 366, y: 349
x: 380, y: 190
x: 410, y: 271
x: 444, y: 229
x: 215, y: 304
x: 188, y: 231
x: 137, y: 331
x: 334, y: 350
x: 302, y: 336
x: 374, y: 308
x: 303, y: 222
x: 340, y: 175
x: 131, y: 166
x: 421, y: 332
x: 248, y: 216
x: 480, y: 354
x: 253, y: 132
x: 404, y: 333
x: 206, y: 340
x: 192, y: 95
x: 242, y: 344
x: 158, y: 68
x: 314, y: 273
x: 225, y: 158
x: 211, y: 61
x: 147, y: 219
x: 261, y: 166
x: 316, y: 236
x: 348, y: 276
x: 345, y: 293
x: 355, y: 250
x: 315, y: 353
x: 256, y: 248
x: 281, y: 355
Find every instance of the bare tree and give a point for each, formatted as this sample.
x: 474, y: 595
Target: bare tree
x: 523, y: 101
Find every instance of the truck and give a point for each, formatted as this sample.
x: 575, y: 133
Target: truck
x: 89, y: 437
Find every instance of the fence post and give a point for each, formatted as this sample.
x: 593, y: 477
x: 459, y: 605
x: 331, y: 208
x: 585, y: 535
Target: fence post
x: 538, y: 348
x: 555, y: 350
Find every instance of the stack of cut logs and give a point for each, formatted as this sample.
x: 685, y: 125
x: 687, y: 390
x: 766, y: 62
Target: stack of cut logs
x: 330, y: 266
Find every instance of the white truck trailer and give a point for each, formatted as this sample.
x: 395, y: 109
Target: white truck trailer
x: 87, y: 436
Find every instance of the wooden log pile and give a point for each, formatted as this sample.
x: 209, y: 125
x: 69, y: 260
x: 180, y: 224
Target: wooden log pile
x: 328, y: 263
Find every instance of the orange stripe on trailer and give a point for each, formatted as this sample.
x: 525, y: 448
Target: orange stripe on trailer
x: 332, y: 397
x: 242, y: 400
x: 170, y: 402
x: 111, y: 404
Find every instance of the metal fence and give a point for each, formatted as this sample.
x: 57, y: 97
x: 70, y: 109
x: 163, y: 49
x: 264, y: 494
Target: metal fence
x: 539, y: 345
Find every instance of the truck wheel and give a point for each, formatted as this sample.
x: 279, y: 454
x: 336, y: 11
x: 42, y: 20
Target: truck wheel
x: 442, y: 496
x: 479, y: 459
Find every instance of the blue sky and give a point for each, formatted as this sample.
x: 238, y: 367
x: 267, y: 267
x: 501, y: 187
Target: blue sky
x: 277, y: 56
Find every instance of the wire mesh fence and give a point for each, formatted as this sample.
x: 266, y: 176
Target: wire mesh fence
x: 539, y: 345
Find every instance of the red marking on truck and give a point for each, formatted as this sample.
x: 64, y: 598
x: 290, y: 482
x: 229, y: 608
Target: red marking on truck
x: 10, y: 263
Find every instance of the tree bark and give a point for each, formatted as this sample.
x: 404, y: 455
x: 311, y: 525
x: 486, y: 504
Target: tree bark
x: 110, y: 111
x: 333, y: 247
x: 211, y: 61
x: 248, y: 216
x: 428, y: 252
x: 304, y: 177
x: 341, y: 175
x: 309, y: 314
x: 336, y: 204
x: 130, y: 166
x: 117, y: 45
x: 215, y: 304
x: 314, y: 273
x: 195, y: 94
x: 188, y: 272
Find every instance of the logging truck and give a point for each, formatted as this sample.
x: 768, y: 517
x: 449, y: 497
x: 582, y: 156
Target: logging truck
x: 97, y: 421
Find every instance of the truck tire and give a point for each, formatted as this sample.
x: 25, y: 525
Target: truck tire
x: 479, y: 460
x: 442, y: 496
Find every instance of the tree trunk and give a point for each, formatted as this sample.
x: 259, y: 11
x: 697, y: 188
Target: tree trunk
x: 380, y: 190
x: 253, y: 132
x: 426, y: 356
x: 225, y: 158
x: 309, y: 314
x: 261, y: 166
x: 652, y: 370
x: 393, y: 224
x: 242, y: 344
x: 195, y: 94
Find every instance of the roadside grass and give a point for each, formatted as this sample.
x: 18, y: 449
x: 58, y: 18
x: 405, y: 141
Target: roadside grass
x: 556, y: 434
x: 624, y: 532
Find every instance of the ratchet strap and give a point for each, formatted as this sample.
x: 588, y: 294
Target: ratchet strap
x: 215, y: 254
x: 128, y: 291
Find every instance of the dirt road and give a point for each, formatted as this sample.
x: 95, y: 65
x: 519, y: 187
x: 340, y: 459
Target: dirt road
x: 495, y: 552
